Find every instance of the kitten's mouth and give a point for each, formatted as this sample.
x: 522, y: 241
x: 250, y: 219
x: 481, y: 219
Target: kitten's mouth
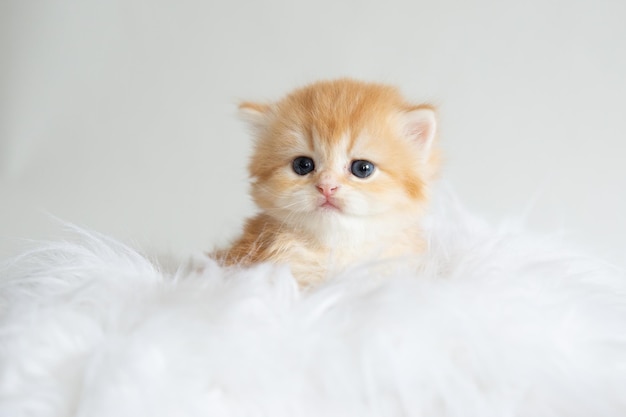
x: 330, y: 205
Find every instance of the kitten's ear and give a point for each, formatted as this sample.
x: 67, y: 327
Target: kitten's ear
x: 257, y: 115
x: 419, y: 125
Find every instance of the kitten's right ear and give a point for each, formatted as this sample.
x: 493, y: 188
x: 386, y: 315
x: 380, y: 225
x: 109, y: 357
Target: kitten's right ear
x: 257, y: 115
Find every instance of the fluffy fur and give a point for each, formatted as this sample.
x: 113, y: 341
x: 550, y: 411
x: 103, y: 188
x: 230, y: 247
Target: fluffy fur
x: 321, y: 222
x: 495, y: 323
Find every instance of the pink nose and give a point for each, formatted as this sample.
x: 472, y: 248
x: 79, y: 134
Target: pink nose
x: 327, y: 189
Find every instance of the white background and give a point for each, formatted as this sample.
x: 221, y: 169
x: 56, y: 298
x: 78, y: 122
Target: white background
x: 120, y: 116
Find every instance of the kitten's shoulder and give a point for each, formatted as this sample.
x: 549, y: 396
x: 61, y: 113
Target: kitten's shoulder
x: 263, y: 239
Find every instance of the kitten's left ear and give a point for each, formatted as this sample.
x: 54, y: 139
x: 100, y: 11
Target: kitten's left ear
x: 419, y: 125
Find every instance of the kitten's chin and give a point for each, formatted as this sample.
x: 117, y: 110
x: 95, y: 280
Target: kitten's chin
x: 337, y: 227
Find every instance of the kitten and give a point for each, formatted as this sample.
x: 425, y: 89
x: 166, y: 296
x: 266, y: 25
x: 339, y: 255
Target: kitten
x: 340, y: 173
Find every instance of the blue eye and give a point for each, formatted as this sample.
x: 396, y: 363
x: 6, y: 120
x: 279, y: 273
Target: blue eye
x: 302, y: 165
x: 362, y: 169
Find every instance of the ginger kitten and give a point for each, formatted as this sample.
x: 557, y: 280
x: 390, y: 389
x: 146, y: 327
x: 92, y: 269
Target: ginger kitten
x: 340, y: 173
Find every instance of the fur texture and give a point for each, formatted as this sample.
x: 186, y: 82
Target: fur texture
x: 321, y: 221
x: 495, y: 323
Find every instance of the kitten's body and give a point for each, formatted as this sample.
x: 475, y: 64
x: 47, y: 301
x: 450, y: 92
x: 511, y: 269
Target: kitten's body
x: 340, y: 172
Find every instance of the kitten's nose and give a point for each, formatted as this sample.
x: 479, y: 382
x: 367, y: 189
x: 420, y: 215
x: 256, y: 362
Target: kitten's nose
x: 327, y: 189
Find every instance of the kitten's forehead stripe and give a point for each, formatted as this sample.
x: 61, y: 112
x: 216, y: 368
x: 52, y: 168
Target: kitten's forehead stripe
x: 311, y: 137
x: 352, y: 136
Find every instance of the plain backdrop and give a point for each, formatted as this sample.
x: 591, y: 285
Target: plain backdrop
x: 120, y: 116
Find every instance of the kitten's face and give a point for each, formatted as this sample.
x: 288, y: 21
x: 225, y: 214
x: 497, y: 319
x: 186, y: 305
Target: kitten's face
x: 340, y: 151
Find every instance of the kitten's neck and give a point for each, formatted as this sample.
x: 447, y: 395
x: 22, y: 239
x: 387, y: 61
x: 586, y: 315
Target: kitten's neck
x: 357, y: 234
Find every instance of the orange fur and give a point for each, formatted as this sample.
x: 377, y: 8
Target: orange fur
x: 335, y: 123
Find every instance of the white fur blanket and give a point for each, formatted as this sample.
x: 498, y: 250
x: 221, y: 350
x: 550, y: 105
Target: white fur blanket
x: 497, y: 323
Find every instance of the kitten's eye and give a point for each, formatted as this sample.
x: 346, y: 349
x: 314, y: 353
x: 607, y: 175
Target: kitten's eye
x: 302, y: 165
x: 362, y: 169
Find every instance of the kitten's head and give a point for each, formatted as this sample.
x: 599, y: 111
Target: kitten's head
x: 337, y: 151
